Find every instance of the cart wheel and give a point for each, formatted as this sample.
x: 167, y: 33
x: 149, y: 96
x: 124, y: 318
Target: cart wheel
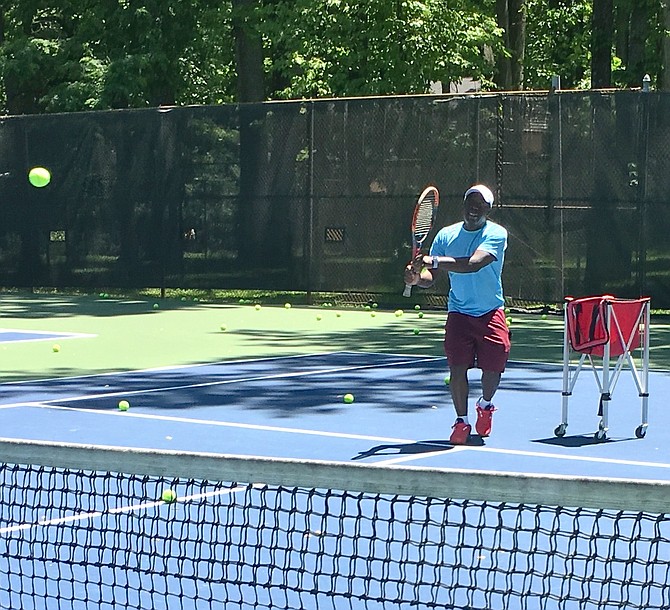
x: 600, y: 435
x: 560, y: 430
x: 640, y: 431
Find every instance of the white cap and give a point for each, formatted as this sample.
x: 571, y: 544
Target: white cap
x: 484, y: 191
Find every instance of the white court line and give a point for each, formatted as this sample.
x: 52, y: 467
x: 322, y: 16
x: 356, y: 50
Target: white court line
x: 225, y: 424
x: 112, y: 511
x: 176, y: 367
x: 205, y: 384
x: 520, y: 452
x: 168, y: 367
x: 345, y: 435
x: 59, y: 336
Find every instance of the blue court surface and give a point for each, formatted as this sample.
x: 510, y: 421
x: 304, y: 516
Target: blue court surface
x: 293, y: 407
x: 81, y: 540
x: 19, y: 336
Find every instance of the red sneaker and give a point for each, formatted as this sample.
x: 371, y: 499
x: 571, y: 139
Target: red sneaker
x: 460, y: 432
x: 484, y: 420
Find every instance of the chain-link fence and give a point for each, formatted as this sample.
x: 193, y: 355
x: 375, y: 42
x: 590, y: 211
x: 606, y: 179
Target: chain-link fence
x: 318, y: 195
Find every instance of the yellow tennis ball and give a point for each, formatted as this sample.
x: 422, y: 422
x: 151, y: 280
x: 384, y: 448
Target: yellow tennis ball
x: 124, y: 405
x: 223, y: 327
x: 287, y: 306
x: 318, y: 317
x: 420, y: 314
x: 56, y: 347
x: 416, y: 331
x: 39, y: 176
x: 398, y: 313
x: 348, y: 398
x: 257, y: 307
x: 168, y: 496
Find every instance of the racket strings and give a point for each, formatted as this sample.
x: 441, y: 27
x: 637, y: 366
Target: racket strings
x: 424, y: 219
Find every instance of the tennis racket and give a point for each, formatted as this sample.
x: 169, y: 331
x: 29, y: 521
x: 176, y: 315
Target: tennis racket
x: 422, y: 222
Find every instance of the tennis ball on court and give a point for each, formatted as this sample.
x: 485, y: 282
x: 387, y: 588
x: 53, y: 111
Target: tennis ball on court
x: 416, y: 331
x: 338, y: 314
x: 508, y: 321
x: 417, y: 307
x: 168, y: 496
x: 348, y: 398
x: 544, y: 316
x: 224, y: 327
x: 372, y: 314
x: 447, y: 380
x: 287, y: 306
x: 124, y: 405
x: 156, y: 306
x: 398, y: 313
x: 318, y: 317
x: 39, y: 176
x: 56, y: 347
x: 257, y: 307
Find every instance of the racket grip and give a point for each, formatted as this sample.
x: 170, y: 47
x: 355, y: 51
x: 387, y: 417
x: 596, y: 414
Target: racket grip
x: 408, y: 290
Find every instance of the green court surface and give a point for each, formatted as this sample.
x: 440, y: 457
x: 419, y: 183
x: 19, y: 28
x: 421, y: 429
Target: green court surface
x: 136, y: 333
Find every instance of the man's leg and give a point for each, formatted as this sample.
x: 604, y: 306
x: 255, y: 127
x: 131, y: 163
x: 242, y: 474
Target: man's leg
x: 459, y: 387
x: 490, y: 383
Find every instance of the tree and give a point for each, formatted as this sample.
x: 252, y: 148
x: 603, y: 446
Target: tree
x: 379, y: 47
x: 101, y: 54
x: 557, y: 42
x: 248, y: 51
x: 511, y: 16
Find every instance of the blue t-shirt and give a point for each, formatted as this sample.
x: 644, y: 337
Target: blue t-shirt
x: 476, y: 293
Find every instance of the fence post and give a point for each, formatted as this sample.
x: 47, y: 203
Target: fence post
x: 642, y: 187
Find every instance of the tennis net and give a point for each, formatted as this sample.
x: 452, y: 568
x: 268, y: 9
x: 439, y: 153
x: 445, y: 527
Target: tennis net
x: 276, y: 533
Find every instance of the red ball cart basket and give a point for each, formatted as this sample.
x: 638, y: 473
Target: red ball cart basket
x: 616, y: 331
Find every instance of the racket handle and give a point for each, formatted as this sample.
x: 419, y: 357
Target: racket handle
x: 408, y: 290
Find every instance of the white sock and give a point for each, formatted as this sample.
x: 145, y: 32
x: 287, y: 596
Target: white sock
x: 464, y: 418
x: 484, y: 403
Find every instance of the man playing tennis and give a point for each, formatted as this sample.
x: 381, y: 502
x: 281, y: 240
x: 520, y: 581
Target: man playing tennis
x: 476, y: 332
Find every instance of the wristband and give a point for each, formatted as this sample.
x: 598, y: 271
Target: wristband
x: 436, y: 262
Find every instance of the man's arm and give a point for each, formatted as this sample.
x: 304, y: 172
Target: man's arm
x: 472, y: 264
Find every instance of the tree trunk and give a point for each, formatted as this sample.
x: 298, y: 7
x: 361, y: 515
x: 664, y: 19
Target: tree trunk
x: 511, y: 17
x: 248, y: 52
x: 601, y: 44
x: 639, y: 33
x: 664, y: 84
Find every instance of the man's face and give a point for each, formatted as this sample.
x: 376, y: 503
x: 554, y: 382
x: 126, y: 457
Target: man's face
x: 475, y: 211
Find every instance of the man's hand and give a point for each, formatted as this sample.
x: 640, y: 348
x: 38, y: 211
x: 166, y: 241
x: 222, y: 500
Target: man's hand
x: 416, y: 273
x: 412, y: 275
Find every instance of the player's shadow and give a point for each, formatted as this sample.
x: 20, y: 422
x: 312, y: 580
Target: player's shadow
x: 429, y: 446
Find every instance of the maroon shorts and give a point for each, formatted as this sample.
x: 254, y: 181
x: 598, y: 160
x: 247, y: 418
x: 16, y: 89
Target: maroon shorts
x: 477, y: 341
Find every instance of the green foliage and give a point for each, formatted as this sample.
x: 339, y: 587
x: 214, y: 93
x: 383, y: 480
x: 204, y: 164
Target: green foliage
x: 95, y: 54
x: 558, y: 35
x: 378, y: 47
x: 103, y: 54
